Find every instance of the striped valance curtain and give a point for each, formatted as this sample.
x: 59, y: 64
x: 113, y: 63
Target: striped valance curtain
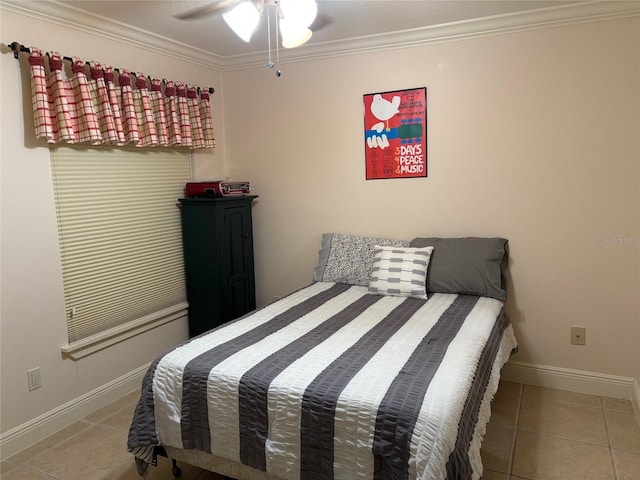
x: 139, y: 111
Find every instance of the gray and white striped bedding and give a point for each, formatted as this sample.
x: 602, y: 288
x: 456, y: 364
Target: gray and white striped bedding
x: 332, y: 382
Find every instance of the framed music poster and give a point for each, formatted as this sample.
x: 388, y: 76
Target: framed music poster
x: 395, y: 134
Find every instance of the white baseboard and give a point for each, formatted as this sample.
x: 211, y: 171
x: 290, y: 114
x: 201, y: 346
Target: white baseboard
x: 636, y: 398
x: 572, y: 380
x: 575, y: 381
x: 31, y: 432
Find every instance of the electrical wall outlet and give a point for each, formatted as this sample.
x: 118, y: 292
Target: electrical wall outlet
x: 578, y: 336
x: 33, y: 378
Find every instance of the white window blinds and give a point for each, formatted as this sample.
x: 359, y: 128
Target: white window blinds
x: 120, y: 237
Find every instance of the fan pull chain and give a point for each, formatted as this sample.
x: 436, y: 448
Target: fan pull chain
x: 269, y: 63
x: 278, y: 72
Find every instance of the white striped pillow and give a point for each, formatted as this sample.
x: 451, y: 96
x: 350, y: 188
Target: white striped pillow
x: 399, y: 271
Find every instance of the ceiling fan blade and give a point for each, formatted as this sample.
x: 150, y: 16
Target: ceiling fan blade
x: 321, y: 21
x: 206, y: 10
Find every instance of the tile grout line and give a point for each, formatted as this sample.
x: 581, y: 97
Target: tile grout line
x: 514, y: 439
x: 87, y: 425
x: 42, y: 451
x: 606, y: 429
x: 44, y: 474
x: 602, y: 409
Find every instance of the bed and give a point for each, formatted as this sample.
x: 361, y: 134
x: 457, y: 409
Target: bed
x: 383, y: 368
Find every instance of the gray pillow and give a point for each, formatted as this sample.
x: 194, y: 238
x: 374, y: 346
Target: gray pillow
x: 469, y: 266
x: 347, y: 258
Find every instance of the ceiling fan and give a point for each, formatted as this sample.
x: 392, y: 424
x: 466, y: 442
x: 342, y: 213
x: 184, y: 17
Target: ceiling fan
x: 293, y: 18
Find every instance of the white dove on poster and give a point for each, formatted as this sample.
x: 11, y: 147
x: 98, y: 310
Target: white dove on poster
x: 383, y: 110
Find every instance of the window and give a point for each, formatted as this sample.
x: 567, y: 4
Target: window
x: 120, y: 241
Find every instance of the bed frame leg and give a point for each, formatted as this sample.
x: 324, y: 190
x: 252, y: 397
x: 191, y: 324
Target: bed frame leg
x: 177, y: 472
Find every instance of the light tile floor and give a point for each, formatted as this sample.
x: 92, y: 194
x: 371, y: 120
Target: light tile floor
x: 545, y: 434
x: 534, y: 434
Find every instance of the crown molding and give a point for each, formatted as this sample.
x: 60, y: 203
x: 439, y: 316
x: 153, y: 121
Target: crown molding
x: 74, y: 18
x: 559, y: 15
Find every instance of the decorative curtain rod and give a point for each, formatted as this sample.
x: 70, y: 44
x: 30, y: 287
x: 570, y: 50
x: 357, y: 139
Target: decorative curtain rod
x: 18, y: 47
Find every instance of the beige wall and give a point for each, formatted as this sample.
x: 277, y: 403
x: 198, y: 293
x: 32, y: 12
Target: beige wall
x: 532, y: 136
x: 33, y: 322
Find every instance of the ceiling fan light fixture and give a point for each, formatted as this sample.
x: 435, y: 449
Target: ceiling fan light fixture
x: 243, y: 19
x: 299, y: 12
x: 293, y: 35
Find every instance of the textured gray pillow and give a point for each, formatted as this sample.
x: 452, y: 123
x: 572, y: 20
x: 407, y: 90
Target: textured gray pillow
x: 469, y: 266
x: 347, y: 258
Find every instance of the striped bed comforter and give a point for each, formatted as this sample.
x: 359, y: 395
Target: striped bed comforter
x: 334, y: 383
